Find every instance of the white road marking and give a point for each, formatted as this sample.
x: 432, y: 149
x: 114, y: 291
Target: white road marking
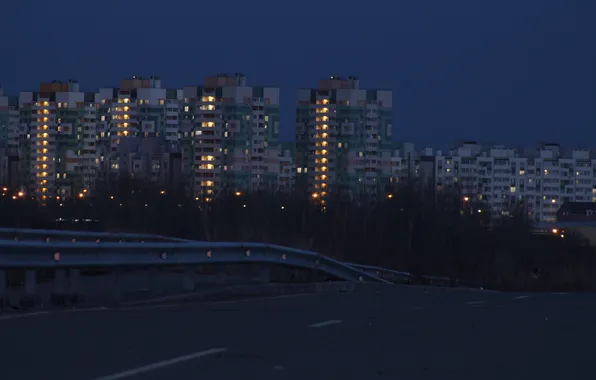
x: 475, y: 302
x: 521, y: 297
x: 19, y: 315
x: 101, y: 308
x: 165, y: 363
x: 23, y: 315
x: 199, y: 302
x: 326, y: 323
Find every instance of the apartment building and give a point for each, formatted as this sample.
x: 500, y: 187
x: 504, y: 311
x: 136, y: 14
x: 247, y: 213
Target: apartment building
x: 9, y: 122
x: 9, y: 129
x: 57, y: 140
x: 502, y: 179
x: 343, y: 134
x: 139, y: 108
x: 235, y: 127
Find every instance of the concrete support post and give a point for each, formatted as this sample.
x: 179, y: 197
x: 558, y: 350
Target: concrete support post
x: 31, y: 282
x: 74, y: 280
x: 220, y: 273
x: 263, y: 273
x: 189, y: 279
x: 74, y: 285
x: 152, y: 280
x: 29, y: 298
x: 59, y: 292
x: 3, y: 290
x: 116, y: 279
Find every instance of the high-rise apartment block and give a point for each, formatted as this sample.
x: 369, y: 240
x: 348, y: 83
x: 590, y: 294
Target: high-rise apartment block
x: 236, y: 130
x: 222, y: 136
x: 343, y: 137
x: 140, y: 109
x: 58, y: 131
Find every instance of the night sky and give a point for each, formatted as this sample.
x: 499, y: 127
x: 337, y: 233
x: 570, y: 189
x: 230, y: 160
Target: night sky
x: 508, y: 71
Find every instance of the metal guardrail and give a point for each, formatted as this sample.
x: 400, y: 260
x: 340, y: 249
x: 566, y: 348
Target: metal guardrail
x: 402, y: 277
x: 63, y: 256
x: 20, y: 234
x: 68, y: 254
x: 194, y: 252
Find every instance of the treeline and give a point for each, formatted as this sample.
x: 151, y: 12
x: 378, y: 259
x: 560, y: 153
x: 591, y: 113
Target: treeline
x: 414, y: 230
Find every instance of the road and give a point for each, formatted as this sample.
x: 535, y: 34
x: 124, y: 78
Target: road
x: 395, y: 333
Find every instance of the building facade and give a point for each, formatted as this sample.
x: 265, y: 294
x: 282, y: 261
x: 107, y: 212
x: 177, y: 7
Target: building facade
x: 139, y: 109
x: 9, y: 139
x: 236, y: 135
x: 57, y: 136
x: 343, y: 135
x: 223, y: 136
x: 537, y: 181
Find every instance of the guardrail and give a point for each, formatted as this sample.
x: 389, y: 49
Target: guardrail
x: 26, y: 234
x: 403, y: 277
x: 64, y: 255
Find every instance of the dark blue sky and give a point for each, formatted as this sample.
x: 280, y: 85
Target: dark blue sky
x: 508, y: 71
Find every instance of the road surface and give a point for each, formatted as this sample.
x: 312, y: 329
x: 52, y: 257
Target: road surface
x: 396, y: 333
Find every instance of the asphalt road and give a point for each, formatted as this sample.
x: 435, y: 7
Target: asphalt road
x: 397, y: 333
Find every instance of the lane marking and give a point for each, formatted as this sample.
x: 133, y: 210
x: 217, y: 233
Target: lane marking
x: 475, y: 302
x: 16, y: 316
x: 75, y: 310
x: 264, y: 298
x: 100, y: 308
x: 207, y: 303
x: 520, y: 297
x: 164, y: 363
x: 326, y: 323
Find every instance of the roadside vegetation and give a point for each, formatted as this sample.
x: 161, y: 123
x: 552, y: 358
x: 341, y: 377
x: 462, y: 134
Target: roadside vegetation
x: 414, y: 229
